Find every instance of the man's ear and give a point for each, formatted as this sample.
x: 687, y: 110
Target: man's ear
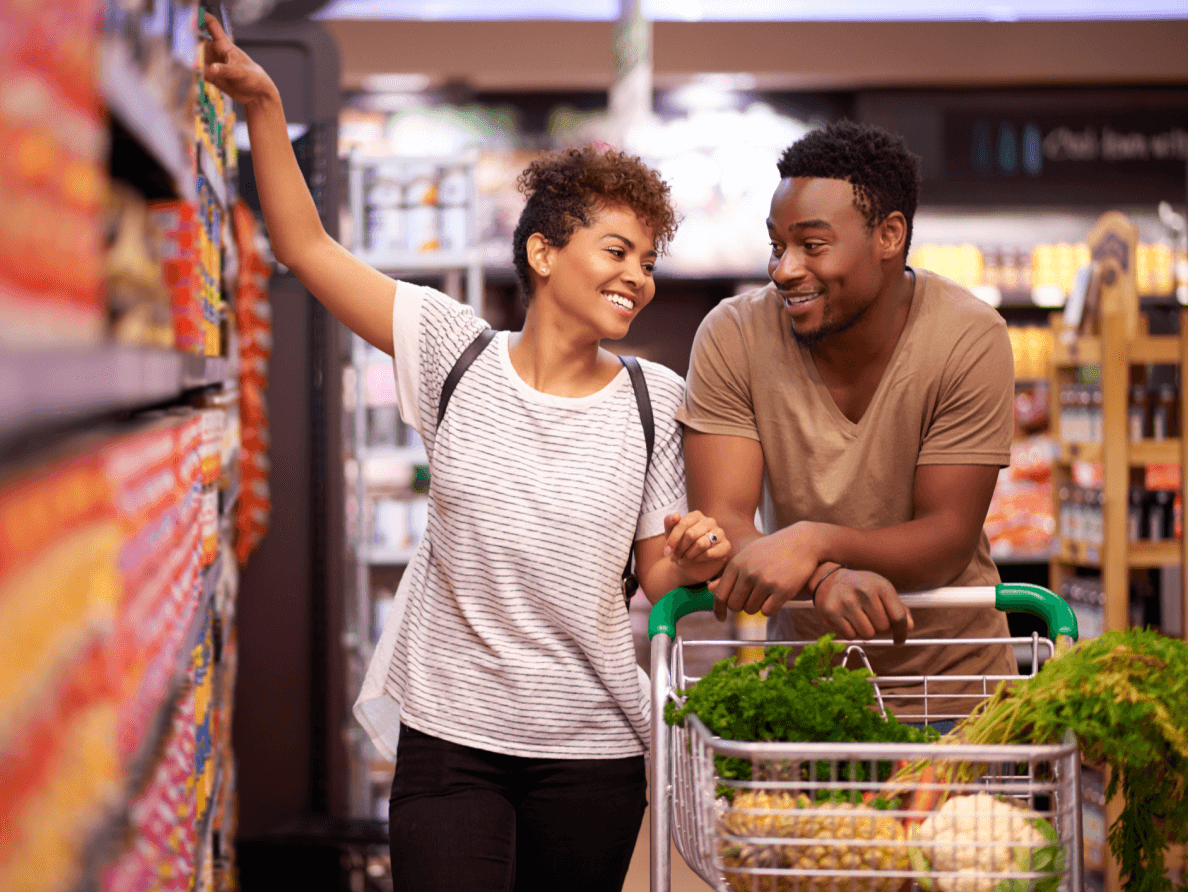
x: 892, y: 235
x: 540, y: 254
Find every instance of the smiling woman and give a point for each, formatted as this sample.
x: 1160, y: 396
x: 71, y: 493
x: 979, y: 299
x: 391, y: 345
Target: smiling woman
x: 505, y: 684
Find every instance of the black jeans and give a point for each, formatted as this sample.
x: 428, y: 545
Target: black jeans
x: 467, y: 820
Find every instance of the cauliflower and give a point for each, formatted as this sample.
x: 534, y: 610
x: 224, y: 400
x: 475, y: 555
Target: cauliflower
x: 834, y: 826
x: 969, y: 839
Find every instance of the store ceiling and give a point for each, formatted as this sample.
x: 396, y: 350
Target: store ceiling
x: 523, y: 56
x: 756, y: 10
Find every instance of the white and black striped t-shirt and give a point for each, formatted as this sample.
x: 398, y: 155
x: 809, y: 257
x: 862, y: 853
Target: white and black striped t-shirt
x: 510, y: 633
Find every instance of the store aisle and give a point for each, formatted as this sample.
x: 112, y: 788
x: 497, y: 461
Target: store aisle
x: 683, y: 878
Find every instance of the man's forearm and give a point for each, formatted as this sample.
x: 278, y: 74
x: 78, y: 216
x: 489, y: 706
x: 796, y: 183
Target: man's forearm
x: 920, y: 554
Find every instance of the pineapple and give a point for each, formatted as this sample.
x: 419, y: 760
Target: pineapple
x: 833, y: 825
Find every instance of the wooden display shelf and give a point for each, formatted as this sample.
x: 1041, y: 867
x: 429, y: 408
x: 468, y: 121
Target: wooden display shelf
x: 1139, y: 454
x: 1139, y: 555
x: 1115, y: 337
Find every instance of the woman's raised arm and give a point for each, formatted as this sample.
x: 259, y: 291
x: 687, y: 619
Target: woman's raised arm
x: 361, y: 297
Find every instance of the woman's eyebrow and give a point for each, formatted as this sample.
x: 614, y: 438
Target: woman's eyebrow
x: 630, y: 244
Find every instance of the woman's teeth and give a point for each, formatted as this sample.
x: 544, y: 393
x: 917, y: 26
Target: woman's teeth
x: 619, y: 301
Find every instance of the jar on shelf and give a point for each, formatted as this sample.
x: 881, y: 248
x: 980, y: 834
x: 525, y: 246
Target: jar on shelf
x: 1164, y: 421
x: 1136, y: 413
x: 1134, y: 513
x: 1159, y: 516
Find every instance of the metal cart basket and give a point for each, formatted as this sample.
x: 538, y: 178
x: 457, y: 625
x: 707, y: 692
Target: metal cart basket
x: 865, y: 817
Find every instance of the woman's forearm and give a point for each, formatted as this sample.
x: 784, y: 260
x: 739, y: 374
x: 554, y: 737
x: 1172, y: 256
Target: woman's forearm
x: 290, y: 214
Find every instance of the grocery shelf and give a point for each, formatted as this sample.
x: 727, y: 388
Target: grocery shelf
x: 1140, y: 555
x: 61, y: 385
x: 1147, y: 350
x: 207, y: 818
x: 389, y: 557
x: 1139, y: 454
x: 420, y: 262
x: 206, y: 167
x: 134, y: 104
x: 1039, y: 557
x: 410, y: 455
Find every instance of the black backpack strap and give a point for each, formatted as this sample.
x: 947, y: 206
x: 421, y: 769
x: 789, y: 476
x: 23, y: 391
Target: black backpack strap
x: 644, y: 402
x: 469, y: 355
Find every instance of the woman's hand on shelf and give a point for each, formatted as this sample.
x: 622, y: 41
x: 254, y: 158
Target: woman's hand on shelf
x: 233, y: 71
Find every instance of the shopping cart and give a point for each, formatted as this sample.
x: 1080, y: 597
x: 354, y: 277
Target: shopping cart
x: 824, y: 817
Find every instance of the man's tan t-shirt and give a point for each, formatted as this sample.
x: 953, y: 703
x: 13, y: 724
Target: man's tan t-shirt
x: 946, y: 397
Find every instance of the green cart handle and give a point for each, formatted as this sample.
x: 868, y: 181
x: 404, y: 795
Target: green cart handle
x: 1017, y: 597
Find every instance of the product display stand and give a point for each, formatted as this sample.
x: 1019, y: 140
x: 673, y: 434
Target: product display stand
x: 1113, y: 536
x: 412, y: 218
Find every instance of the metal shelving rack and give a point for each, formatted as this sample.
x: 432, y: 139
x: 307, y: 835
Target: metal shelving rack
x: 53, y: 391
x: 458, y: 271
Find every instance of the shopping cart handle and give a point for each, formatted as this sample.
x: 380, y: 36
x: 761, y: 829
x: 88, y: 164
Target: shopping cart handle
x: 677, y: 603
x: 1023, y: 597
x: 1017, y: 597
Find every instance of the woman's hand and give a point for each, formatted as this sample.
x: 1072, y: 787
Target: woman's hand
x: 696, y: 544
x: 232, y: 70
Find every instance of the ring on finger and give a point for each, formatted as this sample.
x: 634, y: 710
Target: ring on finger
x: 712, y: 538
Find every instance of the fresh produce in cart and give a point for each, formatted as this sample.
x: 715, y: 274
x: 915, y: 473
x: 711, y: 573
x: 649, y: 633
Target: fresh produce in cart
x: 1125, y: 697
x: 809, y: 699
x: 829, y: 836
x: 972, y: 839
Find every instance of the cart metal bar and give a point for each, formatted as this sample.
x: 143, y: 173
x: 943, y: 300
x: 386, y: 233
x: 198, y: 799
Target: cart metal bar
x: 1018, y: 597
x: 660, y: 783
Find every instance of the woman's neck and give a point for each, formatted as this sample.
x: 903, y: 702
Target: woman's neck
x: 553, y: 358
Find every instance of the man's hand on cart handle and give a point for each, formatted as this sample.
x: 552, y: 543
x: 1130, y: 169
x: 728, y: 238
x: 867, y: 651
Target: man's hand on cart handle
x: 862, y: 604
x: 769, y: 572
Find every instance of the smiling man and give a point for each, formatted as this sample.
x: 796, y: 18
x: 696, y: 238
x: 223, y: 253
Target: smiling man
x: 875, y: 403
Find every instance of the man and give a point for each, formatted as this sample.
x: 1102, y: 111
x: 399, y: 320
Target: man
x: 875, y: 401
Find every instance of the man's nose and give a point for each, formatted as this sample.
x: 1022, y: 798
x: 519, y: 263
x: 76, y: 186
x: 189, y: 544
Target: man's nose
x: 789, y: 268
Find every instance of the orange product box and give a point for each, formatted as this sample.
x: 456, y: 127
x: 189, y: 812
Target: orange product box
x: 45, y: 504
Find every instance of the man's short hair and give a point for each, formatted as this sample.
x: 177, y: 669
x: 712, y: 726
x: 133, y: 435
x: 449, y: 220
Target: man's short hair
x: 884, y: 173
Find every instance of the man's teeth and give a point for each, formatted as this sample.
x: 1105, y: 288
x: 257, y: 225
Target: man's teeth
x: 619, y: 301
x: 795, y: 299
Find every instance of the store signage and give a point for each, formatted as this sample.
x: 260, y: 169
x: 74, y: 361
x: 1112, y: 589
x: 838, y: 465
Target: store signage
x: 1115, y: 147
x: 1080, y: 150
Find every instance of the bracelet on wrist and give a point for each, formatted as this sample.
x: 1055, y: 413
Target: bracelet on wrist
x: 823, y: 578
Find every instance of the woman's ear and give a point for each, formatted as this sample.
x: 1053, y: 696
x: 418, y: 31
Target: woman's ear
x: 540, y: 254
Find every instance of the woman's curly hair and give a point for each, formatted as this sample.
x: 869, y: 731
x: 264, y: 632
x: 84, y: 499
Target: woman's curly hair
x: 884, y: 173
x: 565, y: 189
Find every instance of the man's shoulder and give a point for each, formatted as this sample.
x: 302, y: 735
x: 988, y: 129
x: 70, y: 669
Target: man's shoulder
x: 952, y: 304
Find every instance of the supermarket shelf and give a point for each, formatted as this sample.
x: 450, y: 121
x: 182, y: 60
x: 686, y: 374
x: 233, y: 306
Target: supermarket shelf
x: 210, y: 583
x: 1152, y: 555
x: 206, y: 167
x: 61, y: 385
x: 228, y: 496
x: 389, y: 557
x: 1039, y: 557
x: 1140, y: 454
x: 207, y: 819
x: 427, y: 262
x: 410, y: 455
x: 134, y: 104
x: 1147, y: 350
x: 1140, y: 555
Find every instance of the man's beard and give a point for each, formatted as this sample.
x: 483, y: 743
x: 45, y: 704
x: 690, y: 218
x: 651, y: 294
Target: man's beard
x: 811, y: 339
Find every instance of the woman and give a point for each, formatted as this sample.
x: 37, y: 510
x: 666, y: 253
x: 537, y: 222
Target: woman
x: 505, y: 684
